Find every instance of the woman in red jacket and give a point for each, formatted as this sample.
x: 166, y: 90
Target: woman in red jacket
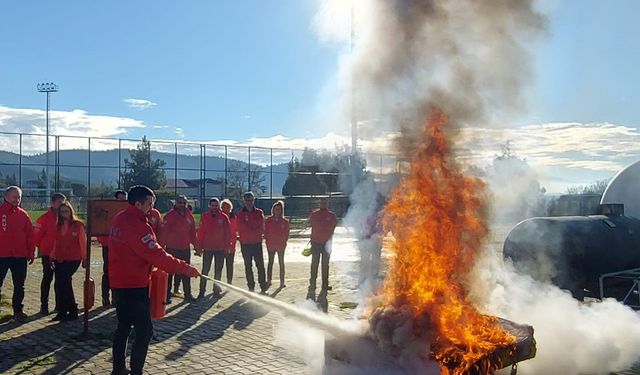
x: 276, y: 234
x: 227, y: 207
x: 69, y: 250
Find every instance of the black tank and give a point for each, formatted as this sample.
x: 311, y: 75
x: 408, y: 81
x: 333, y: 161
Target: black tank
x: 574, y: 251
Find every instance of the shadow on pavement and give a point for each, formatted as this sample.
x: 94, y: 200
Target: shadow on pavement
x: 239, y: 316
x: 59, y: 344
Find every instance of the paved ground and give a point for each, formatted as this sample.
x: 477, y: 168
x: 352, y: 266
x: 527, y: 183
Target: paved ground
x: 230, y: 335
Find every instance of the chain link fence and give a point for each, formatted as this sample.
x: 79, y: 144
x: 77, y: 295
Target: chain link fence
x: 91, y: 167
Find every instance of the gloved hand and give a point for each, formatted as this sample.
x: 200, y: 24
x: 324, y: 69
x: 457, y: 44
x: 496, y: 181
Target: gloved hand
x: 192, y: 271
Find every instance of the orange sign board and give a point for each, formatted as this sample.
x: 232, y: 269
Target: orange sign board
x: 100, y: 213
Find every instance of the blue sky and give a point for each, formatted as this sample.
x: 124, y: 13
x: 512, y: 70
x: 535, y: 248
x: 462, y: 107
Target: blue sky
x: 242, y: 70
x: 216, y: 69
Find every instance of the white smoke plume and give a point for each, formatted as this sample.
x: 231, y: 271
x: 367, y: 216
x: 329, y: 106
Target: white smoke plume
x: 572, y: 337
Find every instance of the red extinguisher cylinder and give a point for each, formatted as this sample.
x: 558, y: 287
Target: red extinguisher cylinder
x: 158, y: 293
x: 89, y: 293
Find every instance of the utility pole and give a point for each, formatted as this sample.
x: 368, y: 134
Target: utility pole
x: 47, y: 87
x: 354, y: 108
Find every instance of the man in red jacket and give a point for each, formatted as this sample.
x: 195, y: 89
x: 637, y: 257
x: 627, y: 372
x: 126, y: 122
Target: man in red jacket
x: 133, y: 251
x: 213, y: 239
x: 176, y: 234
x: 250, y: 221
x: 16, y: 247
x: 323, y: 223
x: 44, y: 235
x: 104, y: 241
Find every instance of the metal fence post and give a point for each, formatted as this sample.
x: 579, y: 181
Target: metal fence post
x: 271, y: 173
x: 119, y: 163
x: 89, y: 172
x: 225, y: 171
x: 175, y: 169
x: 20, y: 164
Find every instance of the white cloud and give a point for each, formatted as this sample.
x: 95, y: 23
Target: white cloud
x: 76, y: 123
x: 140, y: 103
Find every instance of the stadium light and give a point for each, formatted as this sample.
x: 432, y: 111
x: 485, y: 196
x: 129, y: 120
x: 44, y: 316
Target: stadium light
x: 47, y: 87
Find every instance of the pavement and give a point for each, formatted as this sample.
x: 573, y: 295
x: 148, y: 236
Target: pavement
x: 227, y: 335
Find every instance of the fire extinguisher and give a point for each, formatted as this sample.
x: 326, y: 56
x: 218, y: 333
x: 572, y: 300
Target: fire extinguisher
x: 158, y: 293
x: 89, y: 293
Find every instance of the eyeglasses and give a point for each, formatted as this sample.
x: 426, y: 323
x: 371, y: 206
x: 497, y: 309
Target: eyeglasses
x: 248, y: 199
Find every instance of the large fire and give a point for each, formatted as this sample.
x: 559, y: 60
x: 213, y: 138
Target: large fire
x: 438, y: 218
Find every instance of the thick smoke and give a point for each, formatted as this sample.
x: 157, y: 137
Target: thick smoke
x: 465, y: 57
x: 572, y: 337
x: 406, y: 57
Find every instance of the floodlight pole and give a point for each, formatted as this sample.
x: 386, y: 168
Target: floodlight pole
x: 47, y: 87
x: 354, y: 118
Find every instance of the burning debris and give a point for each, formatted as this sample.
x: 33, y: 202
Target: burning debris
x: 438, y: 218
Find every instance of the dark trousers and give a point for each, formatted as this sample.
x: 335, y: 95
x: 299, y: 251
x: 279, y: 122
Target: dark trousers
x: 184, y: 254
x: 45, y: 285
x: 218, y: 257
x: 318, y: 251
x: 272, y: 255
x: 18, y: 267
x: 132, y: 309
x: 105, y: 273
x: 64, y: 287
x: 228, y: 259
x: 251, y: 253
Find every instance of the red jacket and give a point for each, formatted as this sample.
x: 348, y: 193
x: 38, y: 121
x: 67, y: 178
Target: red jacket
x: 70, y: 243
x: 103, y: 240
x: 133, y: 250
x: 214, y: 232
x: 323, y: 223
x: 177, y: 231
x: 44, y: 232
x: 276, y: 233
x: 233, y: 233
x: 250, y: 225
x: 16, y: 232
x: 154, y: 219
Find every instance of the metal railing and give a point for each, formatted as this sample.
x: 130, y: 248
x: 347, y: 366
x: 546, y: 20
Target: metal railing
x: 93, y: 167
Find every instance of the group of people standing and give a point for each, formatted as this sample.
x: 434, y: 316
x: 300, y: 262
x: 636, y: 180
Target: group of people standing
x: 61, y: 239
x: 140, y: 239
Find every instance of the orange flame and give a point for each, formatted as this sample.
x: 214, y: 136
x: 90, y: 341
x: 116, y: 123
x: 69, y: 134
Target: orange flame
x: 438, y: 218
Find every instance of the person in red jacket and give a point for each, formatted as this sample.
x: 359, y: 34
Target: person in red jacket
x: 133, y: 250
x: 276, y: 234
x: 212, y: 240
x: 176, y: 234
x: 44, y: 234
x: 16, y: 247
x: 120, y: 195
x: 323, y: 223
x: 69, y: 251
x: 250, y: 221
x: 227, y: 207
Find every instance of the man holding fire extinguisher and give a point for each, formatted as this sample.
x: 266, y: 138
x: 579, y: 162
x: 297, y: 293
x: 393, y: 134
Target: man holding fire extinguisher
x: 133, y: 250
